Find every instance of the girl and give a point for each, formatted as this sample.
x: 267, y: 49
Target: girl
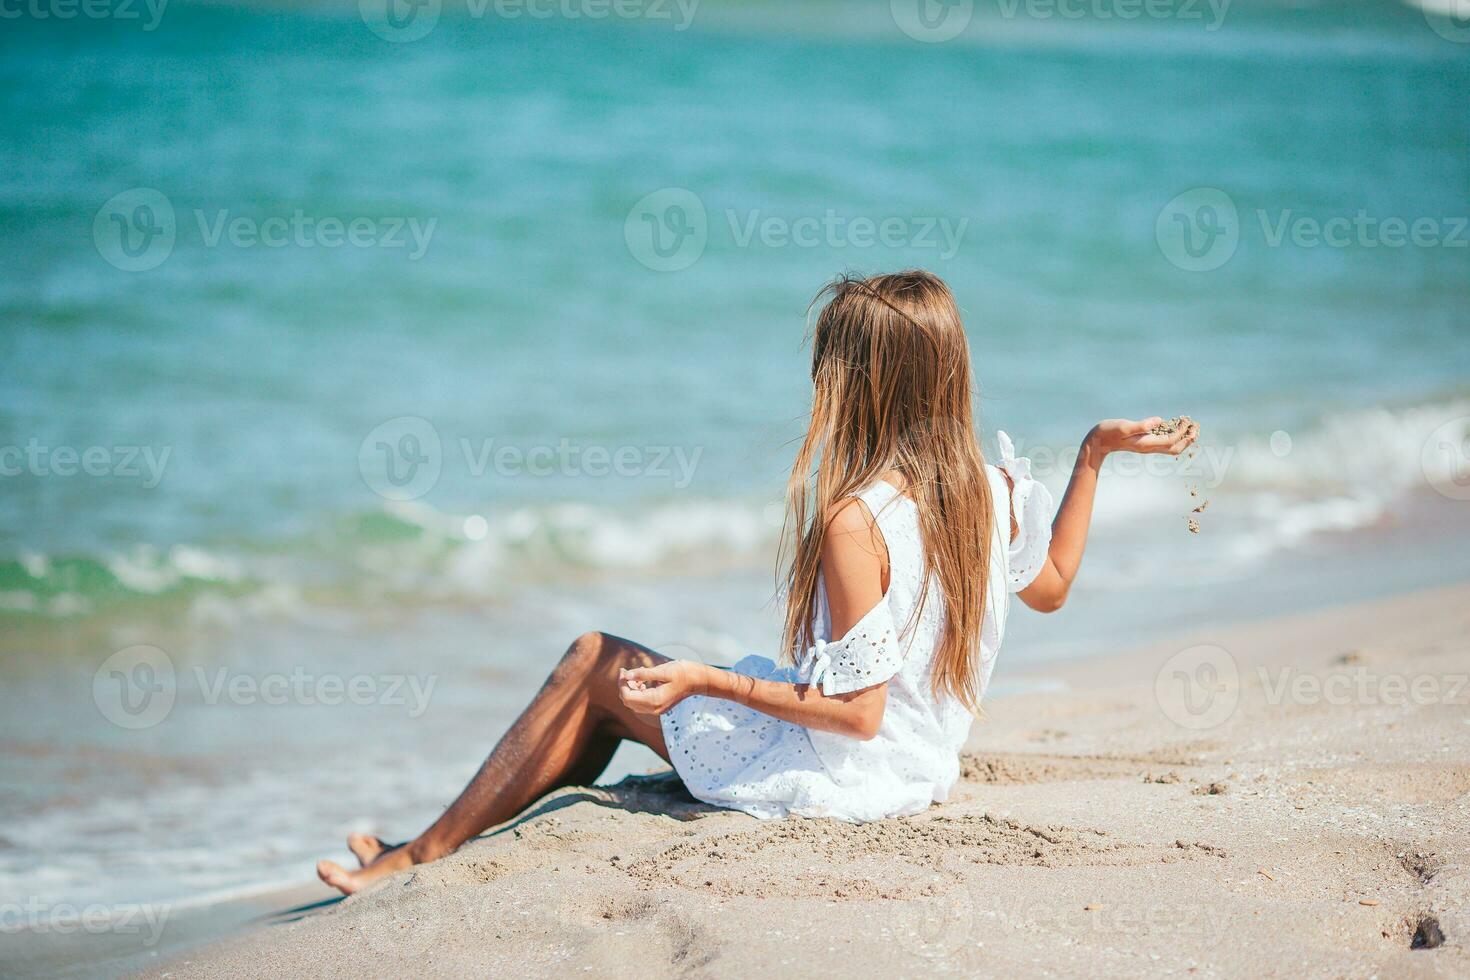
x: 907, y: 545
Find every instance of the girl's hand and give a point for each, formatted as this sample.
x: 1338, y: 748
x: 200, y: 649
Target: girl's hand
x: 654, y: 690
x: 1127, y: 436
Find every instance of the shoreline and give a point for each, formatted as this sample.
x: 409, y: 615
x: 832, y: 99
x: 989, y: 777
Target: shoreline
x: 144, y: 934
x: 1103, y: 826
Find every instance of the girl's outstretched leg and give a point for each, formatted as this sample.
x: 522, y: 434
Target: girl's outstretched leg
x: 565, y: 737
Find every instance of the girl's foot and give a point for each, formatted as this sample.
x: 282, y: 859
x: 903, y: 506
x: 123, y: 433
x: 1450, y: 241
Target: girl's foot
x: 367, y: 848
x: 387, y: 861
x: 348, y: 882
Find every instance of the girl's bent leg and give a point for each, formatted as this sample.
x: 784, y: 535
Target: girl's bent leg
x: 565, y: 737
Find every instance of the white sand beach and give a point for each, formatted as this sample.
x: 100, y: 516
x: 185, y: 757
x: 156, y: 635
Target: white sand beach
x: 1309, y: 817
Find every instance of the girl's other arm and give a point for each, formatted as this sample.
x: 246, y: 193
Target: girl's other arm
x: 854, y: 566
x: 1069, y: 530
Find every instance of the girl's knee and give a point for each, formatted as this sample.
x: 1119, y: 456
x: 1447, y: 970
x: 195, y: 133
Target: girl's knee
x: 586, y: 653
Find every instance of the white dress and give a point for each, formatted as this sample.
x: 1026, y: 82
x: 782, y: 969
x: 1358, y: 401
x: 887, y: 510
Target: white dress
x: 732, y: 756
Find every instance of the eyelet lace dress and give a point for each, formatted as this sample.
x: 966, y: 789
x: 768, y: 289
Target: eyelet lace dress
x: 732, y: 756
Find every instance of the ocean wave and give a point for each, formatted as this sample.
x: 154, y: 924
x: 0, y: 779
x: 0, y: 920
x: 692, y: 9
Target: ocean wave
x: 405, y: 552
x: 1378, y: 450
x: 458, y: 556
x: 1267, y: 492
x: 1348, y: 472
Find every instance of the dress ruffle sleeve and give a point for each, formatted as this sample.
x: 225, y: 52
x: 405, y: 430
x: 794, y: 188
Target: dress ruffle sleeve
x: 1033, y: 509
x: 869, y: 654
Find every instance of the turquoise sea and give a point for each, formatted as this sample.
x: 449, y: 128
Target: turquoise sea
x: 332, y: 351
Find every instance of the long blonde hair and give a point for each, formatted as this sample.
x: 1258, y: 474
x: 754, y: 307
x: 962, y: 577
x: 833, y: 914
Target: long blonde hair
x: 892, y: 391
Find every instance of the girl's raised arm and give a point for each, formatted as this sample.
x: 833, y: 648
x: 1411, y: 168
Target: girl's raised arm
x: 1069, y: 530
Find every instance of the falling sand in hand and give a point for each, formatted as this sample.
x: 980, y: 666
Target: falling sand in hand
x: 1168, y: 428
x: 1172, y: 426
